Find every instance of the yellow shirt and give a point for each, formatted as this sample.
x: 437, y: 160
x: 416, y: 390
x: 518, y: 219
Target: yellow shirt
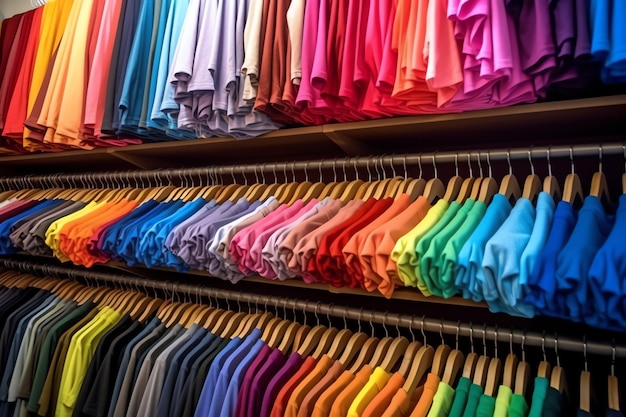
x: 53, y: 233
x: 403, y: 253
x: 377, y: 381
x: 79, y: 355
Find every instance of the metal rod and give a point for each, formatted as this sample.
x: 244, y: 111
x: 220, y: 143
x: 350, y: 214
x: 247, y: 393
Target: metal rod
x: 430, y: 325
x: 150, y: 178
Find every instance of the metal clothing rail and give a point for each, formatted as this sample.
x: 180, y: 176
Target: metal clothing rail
x: 428, y: 324
x: 212, y: 174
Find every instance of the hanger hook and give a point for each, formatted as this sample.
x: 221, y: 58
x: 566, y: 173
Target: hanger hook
x: 556, y: 349
x: 422, y: 329
x: 489, y: 163
x: 600, y: 158
x: 469, y: 165
x: 358, y: 320
x: 480, y: 164
x: 371, y: 320
x: 406, y: 173
x: 443, y: 342
x: 530, y: 160
x: 456, y: 164
x: 456, y: 336
x: 511, y: 341
x: 385, y: 323
x: 549, y: 163
x: 319, y: 166
x: 393, y: 168
x: 571, y: 158
x: 613, y: 357
x: 495, y: 340
x: 471, y: 331
x: 543, y: 345
x: 411, y: 328
x: 367, y: 167
x: 419, y: 164
x: 435, y: 164
x: 585, y: 350
x: 485, y: 339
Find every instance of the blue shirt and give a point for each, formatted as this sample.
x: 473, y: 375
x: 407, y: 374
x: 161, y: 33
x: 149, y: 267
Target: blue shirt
x: 470, y: 276
x: 501, y: 261
x: 113, y: 235
x: 542, y: 280
x: 591, y: 230
x: 607, y: 276
x: 6, y: 245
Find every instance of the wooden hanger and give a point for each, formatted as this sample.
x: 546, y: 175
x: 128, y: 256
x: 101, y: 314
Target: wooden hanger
x: 454, y: 363
x: 434, y: 187
x: 365, y: 354
x: 482, y: 364
x: 289, y: 337
x: 381, y: 351
x: 470, y: 364
x: 325, y: 342
x: 339, y: 344
x: 354, y: 346
x: 494, y: 372
x: 544, y: 366
x: 301, y: 334
x: 585, y: 383
x: 421, y: 364
x: 394, y: 353
x: 407, y: 359
x: 532, y: 184
x: 613, y: 385
x: 312, y: 340
x: 441, y: 355
x: 510, y: 366
x: 277, y: 334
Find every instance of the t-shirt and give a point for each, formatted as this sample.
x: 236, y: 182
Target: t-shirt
x: 553, y: 404
x: 518, y: 406
x: 460, y: 397
x: 503, y: 401
x: 539, y: 396
x: 376, y: 382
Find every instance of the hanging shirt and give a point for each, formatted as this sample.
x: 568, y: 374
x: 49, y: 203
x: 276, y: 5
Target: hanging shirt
x: 606, y: 276
x: 473, y: 399
x: 376, y: 382
x: 283, y: 393
x: 469, y: 275
x: 486, y: 406
x: 539, y: 396
x: 518, y: 406
x: 460, y: 397
x: 344, y: 400
x: 442, y: 401
x: 591, y: 230
x: 381, y: 401
x: 503, y: 401
x: 426, y: 399
x: 553, y: 405
x: 275, y: 383
x: 325, y: 401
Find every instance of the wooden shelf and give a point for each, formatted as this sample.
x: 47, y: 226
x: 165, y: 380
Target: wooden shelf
x: 599, y: 119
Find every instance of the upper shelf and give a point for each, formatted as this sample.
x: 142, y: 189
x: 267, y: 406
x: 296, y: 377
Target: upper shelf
x: 602, y: 119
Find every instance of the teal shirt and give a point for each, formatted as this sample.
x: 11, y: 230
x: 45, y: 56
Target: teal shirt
x: 460, y: 397
x: 539, y: 396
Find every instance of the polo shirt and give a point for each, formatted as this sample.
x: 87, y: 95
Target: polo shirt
x: 591, y: 230
x: 275, y: 383
x: 469, y: 274
x: 542, y: 281
x: 442, y: 401
x: 381, y: 401
x: 539, y: 396
x: 518, y: 406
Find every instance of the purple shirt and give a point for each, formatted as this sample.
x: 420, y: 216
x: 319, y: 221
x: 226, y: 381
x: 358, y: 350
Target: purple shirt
x: 276, y: 383
x: 244, y: 390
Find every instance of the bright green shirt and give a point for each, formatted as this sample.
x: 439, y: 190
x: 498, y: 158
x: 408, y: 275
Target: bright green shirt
x: 403, y: 253
x: 503, y: 400
x: 442, y: 401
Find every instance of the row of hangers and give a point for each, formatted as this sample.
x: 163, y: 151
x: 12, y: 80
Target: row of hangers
x: 413, y: 359
x: 457, y: 189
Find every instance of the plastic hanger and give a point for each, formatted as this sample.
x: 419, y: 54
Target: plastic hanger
x: 550, y: 183
x: 471, y: 359
x: 455, y: 362
x: 558, y: 380
x: 532, y: 184
x: 613, y: 384
x: 510, y: 365
x: 522, y: 375
x: 599, y: 187
x: 572, y: 188
x: 585, y: 383
x: 434, y: 187
x: 494, y: 373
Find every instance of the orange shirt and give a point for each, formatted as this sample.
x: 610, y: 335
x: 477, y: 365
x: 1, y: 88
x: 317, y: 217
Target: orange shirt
x: 402, y: 403
x: 381, y: 401
x: 299, y: 392
x: 327, y: 398
x: 344, y: 400
x: 426, y: 399
x: 280, y: 405
x: 308, y: 403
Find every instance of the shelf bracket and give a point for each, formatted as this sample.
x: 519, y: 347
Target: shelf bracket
x: 349, y: 145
